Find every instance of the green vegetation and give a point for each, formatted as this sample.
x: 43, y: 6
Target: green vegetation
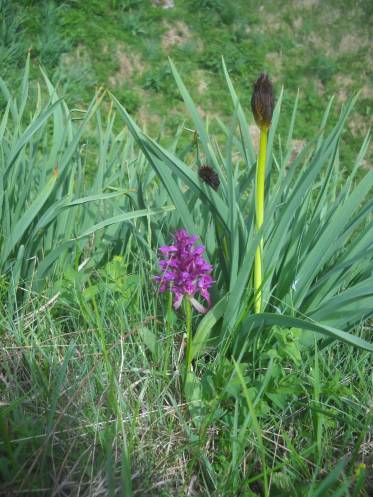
x: 321, y: 48
x: 95, y: 399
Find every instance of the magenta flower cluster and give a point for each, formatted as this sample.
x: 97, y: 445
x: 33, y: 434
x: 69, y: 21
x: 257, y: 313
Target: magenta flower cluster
x: 185, y: 271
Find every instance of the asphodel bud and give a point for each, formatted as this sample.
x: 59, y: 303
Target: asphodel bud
x: 263, y: 101
x: 209, y: 176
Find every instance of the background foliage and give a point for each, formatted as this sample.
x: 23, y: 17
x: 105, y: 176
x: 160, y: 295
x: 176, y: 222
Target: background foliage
x: 321, y: 48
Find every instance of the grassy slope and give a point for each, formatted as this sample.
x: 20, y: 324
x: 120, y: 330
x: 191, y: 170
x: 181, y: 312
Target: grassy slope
x: 322, y: 48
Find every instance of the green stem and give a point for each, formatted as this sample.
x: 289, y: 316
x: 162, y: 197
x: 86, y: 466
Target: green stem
x: 259, y: 209
x: 223, y: 239
x: 168, y: 340
x: 188, y: 315
x: 169, y: 314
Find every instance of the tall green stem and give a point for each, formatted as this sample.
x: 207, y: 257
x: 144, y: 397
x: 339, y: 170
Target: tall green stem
x: 259, y: 208
x: 188, y: 316
x: 169, y: 317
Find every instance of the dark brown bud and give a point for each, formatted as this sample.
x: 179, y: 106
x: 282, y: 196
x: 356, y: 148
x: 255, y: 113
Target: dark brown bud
x: 263, y: 101
x: 209, y: 176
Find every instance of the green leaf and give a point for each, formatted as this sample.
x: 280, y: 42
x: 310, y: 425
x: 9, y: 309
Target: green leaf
x: 28, y: 133
x: 194, y: 395
x: 201, y: 128
x: 151, y: 341
x: 168, y: 181
x: 327, y: 243
x: 246, y: 138
x: 125, y: 217
x: 94, y: 198
x: 201, y: 337
x: 27, y: 218
x: 268, y: 319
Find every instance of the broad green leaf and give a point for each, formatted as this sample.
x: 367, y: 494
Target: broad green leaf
x: 202, y: 335
x: 151, y: 341
x: 27, y: 218
x: 268, y: 319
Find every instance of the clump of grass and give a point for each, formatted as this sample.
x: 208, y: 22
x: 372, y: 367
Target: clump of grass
x: 89, y: 408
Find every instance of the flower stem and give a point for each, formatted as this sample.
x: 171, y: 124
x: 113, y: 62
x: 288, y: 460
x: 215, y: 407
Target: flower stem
x: 169, y: 317
x: 259, y: 208
x: 188, y: 316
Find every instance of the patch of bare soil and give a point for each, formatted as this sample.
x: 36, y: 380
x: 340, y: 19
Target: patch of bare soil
x: 367, y: 92
x: 275, y: 59
x: 298, y: 23
x: 306, y: 3
x: 320, y: 43
x: 200, y: 76
x: 297, y: 148
x: 319, y: 86
x: 128, y: 64
x: 165, y: 4
x: 176, y: 35
x: 149, y: 121
x: 351, y: 43
x: 357, y: 125
x: 344, y: 84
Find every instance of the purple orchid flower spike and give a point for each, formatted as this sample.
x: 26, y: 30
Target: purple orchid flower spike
x: 185, y: 271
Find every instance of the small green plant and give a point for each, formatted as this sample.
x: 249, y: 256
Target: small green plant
x: 133, y: 23
x: 186, y: 274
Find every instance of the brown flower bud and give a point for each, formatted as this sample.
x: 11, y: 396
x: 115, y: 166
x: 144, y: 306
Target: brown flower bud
x: 263, y: 101
x: 209, y: 176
